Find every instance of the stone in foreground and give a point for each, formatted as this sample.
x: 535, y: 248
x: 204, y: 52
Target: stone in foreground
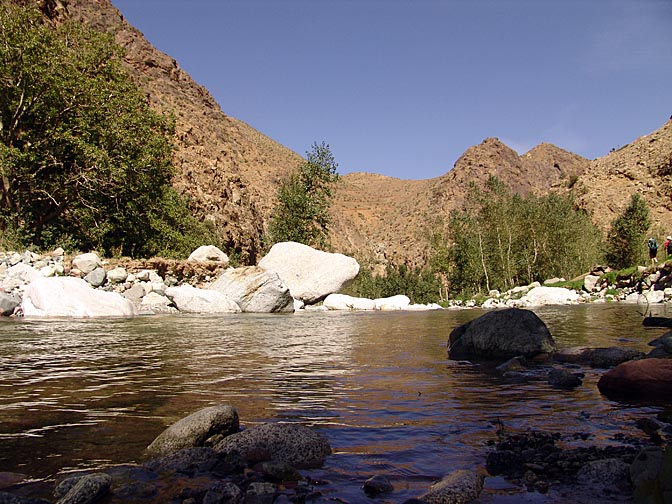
x: 310, y: 274
x: 501, y: 334
x: 644, y: 379
x: 195, y: 429
x: 292, y: 444
x: 459, y: 487
x: 72, y: 297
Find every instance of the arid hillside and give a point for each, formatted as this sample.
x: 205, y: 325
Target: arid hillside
x: 231, y: 170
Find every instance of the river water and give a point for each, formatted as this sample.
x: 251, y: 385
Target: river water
x: 89, y: 393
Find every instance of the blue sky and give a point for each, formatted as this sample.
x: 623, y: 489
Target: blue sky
x: 403, y: 88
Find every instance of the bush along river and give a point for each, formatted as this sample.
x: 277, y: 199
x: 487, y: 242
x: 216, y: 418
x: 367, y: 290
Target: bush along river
x: 398, y: 414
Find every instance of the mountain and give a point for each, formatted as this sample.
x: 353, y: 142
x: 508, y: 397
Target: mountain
x: 231, y: 170
x: 643, y: 166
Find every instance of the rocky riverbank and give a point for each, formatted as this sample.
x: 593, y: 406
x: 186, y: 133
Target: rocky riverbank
x: 291, y: 277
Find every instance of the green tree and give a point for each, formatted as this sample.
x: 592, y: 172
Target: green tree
x: 627, y: 235
x: 500, y: 240
x: 83, y: 159
x: 304, y: 198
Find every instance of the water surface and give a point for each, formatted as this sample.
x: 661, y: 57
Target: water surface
x: 88, y: 393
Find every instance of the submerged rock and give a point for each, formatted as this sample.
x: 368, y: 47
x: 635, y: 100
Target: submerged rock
x: 460, y: 486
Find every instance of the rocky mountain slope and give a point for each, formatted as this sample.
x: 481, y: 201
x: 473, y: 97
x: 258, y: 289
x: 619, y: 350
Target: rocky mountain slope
x: 231, y: 170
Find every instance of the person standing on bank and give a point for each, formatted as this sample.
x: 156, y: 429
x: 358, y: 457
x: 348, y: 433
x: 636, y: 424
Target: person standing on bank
x: 668, y: 247
x: 653, y: 250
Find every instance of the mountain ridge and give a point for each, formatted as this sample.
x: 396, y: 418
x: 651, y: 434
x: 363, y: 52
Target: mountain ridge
x: 231, y: 171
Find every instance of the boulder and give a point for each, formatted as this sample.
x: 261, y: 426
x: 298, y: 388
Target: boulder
x: 344, y: 302
x: 208, y: 253
x: 501, y: 334
x: 190, y: 299
x: 157, y: 303
x: 86, y: 263
x: 377, y: 485
x: 96, y: 277
x: 83, y: 489
x: 117, y: 275
x: 612, y: 356
x: 255, y: 290
x: 563, y: 378
x: 8, y: 304
x: 458, y: 487
x: 72, y: 297
x: 603, y: 472
x: 195, y: 429
x: 293, y: 444
x: 644, y: 378
x: 540, y: 296
x: 590, y: 283
x: 310, y: 274
x: 398, y: 302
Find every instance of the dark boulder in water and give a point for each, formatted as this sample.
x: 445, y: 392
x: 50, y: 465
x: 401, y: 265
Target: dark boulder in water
x: 501, y: 334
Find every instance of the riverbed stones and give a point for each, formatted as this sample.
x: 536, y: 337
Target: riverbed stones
x: 189, y: 299
x: 255, y: 290
x: 8, y: 303
x: 96, y: 277
x: 458, y: 487
x: 72, y: 297
x: 290, y: 443
x: 501, y: 334
x: 86, y: 263
x: 644, y: 378
x: 310, y: 274
x: 195, y: 429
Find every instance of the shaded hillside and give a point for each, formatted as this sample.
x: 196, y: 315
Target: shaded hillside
x: 228, y: 168
x: 643, y: 166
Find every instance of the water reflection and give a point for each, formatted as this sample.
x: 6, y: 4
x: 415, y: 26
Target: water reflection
x: 379, y: 385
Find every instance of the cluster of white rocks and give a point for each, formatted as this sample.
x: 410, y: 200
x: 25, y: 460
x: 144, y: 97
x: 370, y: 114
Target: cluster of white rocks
x: 292, y: 276
x: 647, y: 286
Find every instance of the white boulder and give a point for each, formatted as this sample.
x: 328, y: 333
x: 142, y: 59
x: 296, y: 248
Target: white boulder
x: 208, y: 253
x: 86, y: 263
x: 398, y: 302
x: 255, y: 290
x: 189, y: 299
x: 540, y: 296
x: 72, y: 297
x: 344, y: 302
x: 310, y: 274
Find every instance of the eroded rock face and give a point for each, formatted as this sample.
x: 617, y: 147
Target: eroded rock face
x: 293, y: 444
x: 501, y: 334
x: 643, y: 379
x: 310, y: 274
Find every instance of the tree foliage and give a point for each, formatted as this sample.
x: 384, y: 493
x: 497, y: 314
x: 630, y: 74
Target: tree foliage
x: 627, y: 235
x: 83, y: 158
x: 420, y: 285
x: 304, y: 198
x: 500, y: 240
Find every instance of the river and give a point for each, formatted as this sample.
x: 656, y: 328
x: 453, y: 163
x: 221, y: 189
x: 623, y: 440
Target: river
x: 89, y: 393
